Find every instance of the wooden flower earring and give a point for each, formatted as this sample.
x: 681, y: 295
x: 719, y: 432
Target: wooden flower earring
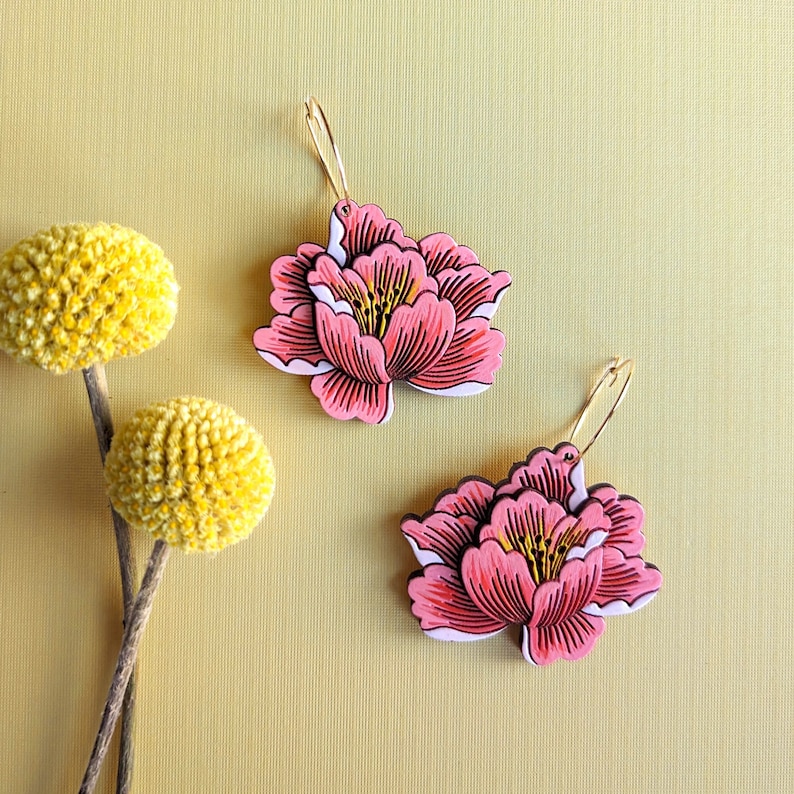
x: 539, y: 549
x: 373, y: 306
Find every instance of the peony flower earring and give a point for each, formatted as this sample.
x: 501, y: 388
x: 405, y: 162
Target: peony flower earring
x: 374, y: 306
x: 538, y: 549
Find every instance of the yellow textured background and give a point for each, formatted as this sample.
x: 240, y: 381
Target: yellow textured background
x: 630, y: 163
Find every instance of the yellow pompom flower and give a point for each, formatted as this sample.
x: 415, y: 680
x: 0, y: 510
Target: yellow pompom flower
x: 77, y: 295
x: 191, y: 472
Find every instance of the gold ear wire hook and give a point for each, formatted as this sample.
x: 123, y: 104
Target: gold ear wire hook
x: 318, y: 124
x: 610, y: 374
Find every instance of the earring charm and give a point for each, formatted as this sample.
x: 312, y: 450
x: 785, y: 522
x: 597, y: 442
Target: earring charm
x: 374, y: 306
x: 539, y: 549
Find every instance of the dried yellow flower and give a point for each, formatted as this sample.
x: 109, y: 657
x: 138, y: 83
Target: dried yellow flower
x: 76, y: 295
x: 191, y: 472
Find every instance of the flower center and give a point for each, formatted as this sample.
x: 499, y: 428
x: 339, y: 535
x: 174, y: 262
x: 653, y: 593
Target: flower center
x: 545, y: 552
x: 373, y: 309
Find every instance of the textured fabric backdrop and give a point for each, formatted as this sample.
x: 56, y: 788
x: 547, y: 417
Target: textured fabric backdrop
x: 631, y: 165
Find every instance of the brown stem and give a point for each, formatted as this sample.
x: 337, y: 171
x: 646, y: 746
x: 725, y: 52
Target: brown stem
x: 136, y: 623
x: 127, y: 746
x: 97, y: 388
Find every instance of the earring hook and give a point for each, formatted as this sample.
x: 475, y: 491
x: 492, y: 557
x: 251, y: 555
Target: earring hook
x: 318, y: 125
x: 611, y: 373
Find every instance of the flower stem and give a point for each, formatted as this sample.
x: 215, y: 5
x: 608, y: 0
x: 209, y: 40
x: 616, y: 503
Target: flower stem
x: 133, y: 632
x: 127, y: 745
x: 97, y: 388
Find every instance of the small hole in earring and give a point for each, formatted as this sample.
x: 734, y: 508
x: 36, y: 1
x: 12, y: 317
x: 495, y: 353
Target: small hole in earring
x: 568, y: 456
x: 345, y: 210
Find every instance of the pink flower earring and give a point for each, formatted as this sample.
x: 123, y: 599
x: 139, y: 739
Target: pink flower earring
x: 374, y: 306
x: 538, y: 549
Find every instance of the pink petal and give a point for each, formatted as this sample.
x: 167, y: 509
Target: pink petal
x: 343, y: 397
x: 473, y: 291
x: 334, y: 286
x: 472, y: 497
x: 519, y: 521
x: 559, y: 629
x: 442, y: 252
x: 550, y: 472
x: 357, y: 230
x: 389, y: 270
x: 627, y: 583
x: 572, y: 639
x: 359, y: 356
x: 513, y: 519
x: 498, y: 582
x: 288, y: 274
x: 444, y: 609
x: 373, y: 285
x: 588, y: 530
x: 290, y: 343
x: 627, y: 518
x: 418, y: 336
x: 574, y: 588
x: 469, y: 364
x: 439, y: 537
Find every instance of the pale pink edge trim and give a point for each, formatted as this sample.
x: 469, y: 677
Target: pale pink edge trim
x: 487, y: 310
x: 525, y: 646
x: 324, y: 295
x: 576, y: 478
x: 594, y: 540
x: 296, y: 366
x: 423, y: 556
x: 389, y: 405
x: 453, y: 635
x: 336, y: 233
x: 462, y: 390
x: 618, y: 607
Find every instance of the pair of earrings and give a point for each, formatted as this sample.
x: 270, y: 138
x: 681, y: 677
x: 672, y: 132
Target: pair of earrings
x: 538, y: 549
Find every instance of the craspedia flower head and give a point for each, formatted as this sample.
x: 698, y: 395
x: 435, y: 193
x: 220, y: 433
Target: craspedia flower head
x: 191, y: 472
x: 76, y: 295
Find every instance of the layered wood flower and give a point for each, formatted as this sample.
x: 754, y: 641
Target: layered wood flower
x: 538, y: 550
x: 374, y: 307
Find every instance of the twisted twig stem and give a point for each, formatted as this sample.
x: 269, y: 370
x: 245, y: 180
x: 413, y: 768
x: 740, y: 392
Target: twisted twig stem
x: 136, y: 623
x: 97, y: 387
